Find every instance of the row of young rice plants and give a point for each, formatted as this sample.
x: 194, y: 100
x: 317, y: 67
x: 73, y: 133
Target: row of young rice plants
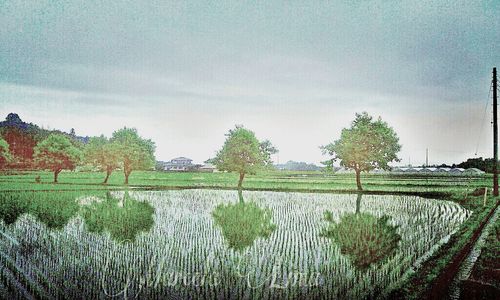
x: 187, y: 253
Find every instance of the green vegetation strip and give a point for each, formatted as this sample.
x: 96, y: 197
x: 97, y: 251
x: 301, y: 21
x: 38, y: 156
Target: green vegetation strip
x: 439, y: 289
x: 431, y: 276
x: 488, y: 262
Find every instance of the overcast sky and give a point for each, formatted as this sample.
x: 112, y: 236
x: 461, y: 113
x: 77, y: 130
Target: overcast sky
x: 184, y: 72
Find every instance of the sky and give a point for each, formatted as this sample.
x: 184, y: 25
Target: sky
x: 296, y: 72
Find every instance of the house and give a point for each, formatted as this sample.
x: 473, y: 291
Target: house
x: 179, y: 164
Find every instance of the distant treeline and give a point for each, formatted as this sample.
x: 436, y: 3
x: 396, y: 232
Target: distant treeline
x: 297, y: 166
x: 485, y: 165
x: 22, y: 138
x: 26, y: 146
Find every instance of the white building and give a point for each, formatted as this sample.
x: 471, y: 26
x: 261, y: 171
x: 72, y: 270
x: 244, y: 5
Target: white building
x: 179, y: 164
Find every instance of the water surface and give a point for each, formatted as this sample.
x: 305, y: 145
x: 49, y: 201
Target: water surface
x: 207, y: 243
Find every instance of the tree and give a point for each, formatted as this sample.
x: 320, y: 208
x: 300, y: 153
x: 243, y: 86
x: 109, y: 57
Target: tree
x: 159, y: 166
x: 4, y: 152
x: 298, y: 166
x: 366, y: 145
x: 485, y: 165
x: 240, y: 153
x: 267, y: 149
x: 103, y: 154
x: 56, y: 153
x: 135, y: 152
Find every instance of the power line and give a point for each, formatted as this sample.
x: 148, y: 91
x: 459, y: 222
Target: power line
x: 484, y: 117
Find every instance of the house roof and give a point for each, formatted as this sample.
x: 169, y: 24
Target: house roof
x: 181, y: 158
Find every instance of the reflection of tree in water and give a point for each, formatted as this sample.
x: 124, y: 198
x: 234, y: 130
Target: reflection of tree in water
x: 122, y: 218
x: 54, y: 210
x: 11, y: 207
x: 364, y: 238
x: 243, y: 222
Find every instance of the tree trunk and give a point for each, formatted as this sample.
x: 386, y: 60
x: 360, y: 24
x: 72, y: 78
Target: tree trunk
x: 358, y: 180
x: 56, y: 174
x: 108, y: 173
x: 127, y: 174
x: 240, y: 183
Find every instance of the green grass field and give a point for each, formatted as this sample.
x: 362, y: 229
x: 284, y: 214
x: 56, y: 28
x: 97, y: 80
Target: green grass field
x: 281, y: 181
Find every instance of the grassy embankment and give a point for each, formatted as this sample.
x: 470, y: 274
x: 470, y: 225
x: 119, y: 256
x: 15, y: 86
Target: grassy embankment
x: 487, y: 266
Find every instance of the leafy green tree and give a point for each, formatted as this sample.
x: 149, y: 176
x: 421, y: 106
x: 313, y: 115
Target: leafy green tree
x: 135, y: 152
x: 103, y: 154
x: 4, y: 152
x: 56, y: 153
x: 267, y: 149
x: 159, y: 166
x: 486, y: 164
x: 240, y: 153
x: 366, y: 145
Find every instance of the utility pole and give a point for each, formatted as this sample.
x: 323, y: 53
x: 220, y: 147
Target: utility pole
x: 495, y: 135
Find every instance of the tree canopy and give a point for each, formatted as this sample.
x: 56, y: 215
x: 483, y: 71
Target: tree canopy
x: 485, y: 165
x: 103, y: 154
x: 366, y: 145
x: 22, y: 138
x: 4, y: 152
x: 56, y: 153
x: 242, y: 153
x: 135, y: 152
x: 267, y: 149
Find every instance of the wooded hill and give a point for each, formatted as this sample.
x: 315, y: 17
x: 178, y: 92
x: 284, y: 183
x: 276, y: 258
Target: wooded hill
x: 22, y: 137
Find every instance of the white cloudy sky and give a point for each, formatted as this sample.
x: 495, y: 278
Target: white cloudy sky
x: 184, y: 72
